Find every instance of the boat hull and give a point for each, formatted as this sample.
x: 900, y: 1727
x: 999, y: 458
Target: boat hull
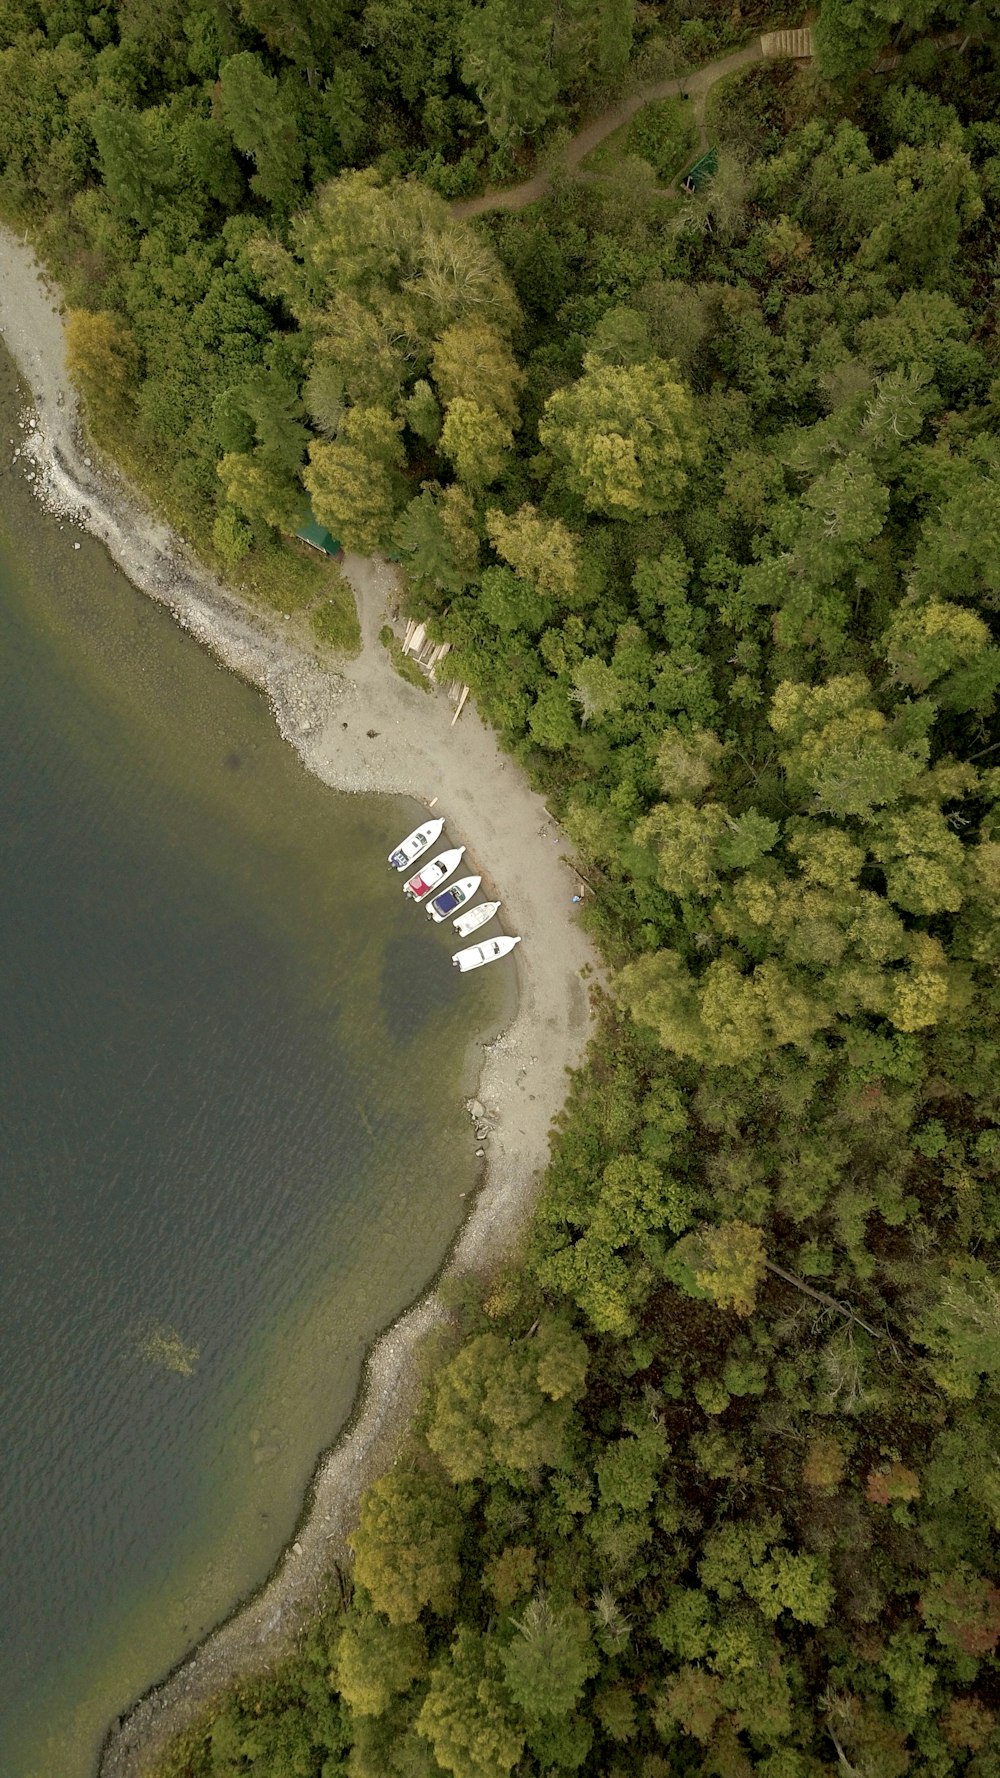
x: 415, y: 844
x: 491, y: 949
x: 476, y: 917
x: 434, y: 875
x: 451, y: 899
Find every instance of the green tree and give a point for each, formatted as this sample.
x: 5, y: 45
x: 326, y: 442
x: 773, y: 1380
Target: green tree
x: 505, y: 61
x: 260, y: 115
x: 135, y: 160
x: 550, y: 1659
x: 851, y: 33
x: 616, y: 26
x: 466, y: 1715
x: 423, y: 412
x: 962, y: 1329
x: 628, y: 1469
x: 956, y: 549
x: 438, y: 542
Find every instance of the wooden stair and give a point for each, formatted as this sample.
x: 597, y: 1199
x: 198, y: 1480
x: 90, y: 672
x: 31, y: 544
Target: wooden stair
x: 797, y: 45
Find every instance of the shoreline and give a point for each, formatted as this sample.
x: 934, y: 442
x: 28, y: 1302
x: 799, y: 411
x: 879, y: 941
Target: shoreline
x: 359, y: 727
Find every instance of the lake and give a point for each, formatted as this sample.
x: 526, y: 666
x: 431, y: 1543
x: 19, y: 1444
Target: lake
x: 233, y: 1144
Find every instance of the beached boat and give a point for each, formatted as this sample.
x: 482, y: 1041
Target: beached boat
x: 415, y: 843
x: 474, y: 956
x: 476, y: 917
x: 431, y: 876
x: 454, y: 897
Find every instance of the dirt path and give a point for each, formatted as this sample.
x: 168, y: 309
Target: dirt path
x: 359, y: 727
x: 695, y: 86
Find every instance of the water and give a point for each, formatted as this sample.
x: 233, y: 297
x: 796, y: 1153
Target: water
x: 231, y: 1137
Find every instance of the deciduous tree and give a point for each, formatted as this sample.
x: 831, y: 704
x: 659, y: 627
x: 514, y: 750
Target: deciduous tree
x: 625, y: 438
x: 406, y: 1544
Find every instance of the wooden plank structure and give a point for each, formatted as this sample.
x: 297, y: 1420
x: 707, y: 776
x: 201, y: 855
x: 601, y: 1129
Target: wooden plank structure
x: 796, y: 45
x: 429, y: 656
x: 426, y: 653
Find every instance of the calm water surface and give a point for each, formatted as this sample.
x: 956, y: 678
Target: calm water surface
x: 231, y: 1137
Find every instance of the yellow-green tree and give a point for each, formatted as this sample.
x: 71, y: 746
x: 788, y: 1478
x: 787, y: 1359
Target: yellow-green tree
x: 476, y: 440
x: 473, y: 359
x: 259, y: 488
x: 374, y: 1661
x: 624, y: 436
x: 539, y: 549
x: 355, y: 481
x: 102, y: 358
x: 406, y: 1544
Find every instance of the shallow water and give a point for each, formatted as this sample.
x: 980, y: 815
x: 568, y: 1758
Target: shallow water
x: 231, y: 1137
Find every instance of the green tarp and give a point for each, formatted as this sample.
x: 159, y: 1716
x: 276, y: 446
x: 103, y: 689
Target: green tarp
x: 312, y: 532
x: 700, y: 173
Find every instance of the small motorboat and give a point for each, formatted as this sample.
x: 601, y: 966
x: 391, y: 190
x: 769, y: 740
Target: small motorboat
x: 474, y: 956
x: 476, y: 917
x: 454, y: 897
x: 410, y: 849
x: 431, y: 876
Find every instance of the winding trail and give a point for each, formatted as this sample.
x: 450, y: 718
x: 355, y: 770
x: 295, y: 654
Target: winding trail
x: 696, y: 86
x: 359, y: 727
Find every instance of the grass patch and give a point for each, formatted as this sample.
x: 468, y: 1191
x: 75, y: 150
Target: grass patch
x: 658, y: 141
x: 403, y: 663
x: 334, y: 624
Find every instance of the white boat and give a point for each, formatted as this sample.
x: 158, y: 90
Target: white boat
x: 474, y: 956
x: 431, y: 876
x: 454, y: 897
x: 415, y: 843
x: 476, y: 917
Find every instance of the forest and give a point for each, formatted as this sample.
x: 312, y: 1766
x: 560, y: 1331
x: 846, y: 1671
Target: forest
x: 704, y: 491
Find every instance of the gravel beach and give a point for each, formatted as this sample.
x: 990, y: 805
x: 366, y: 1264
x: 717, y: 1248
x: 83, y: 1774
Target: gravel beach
x: 359, y: 727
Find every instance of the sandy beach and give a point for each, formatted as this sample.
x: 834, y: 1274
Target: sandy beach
x: 359, y: 727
